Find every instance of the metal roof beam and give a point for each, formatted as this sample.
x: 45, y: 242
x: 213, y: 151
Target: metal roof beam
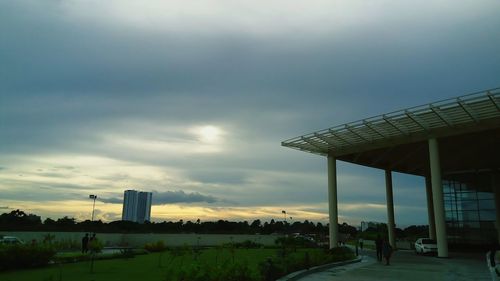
x: 416, y: 119
x: 315, y: 143
x: 350, y: 129
x: 339, y: 137
x: 493, y: 100
x: 394, y: 124
x: 329, y: 141
x: 301, y: 146
x: 468, y: 110
x: 441, y: 115
x: 374, y: 129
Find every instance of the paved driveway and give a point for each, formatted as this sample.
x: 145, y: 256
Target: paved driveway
x: 405, y: 265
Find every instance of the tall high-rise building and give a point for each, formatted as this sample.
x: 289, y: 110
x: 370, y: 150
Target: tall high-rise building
x: 137, y: 206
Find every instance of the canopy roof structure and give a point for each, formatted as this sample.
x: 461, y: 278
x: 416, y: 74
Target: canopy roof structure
x: 467, y: 127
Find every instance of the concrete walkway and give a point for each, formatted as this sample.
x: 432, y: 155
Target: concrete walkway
x: 405, y: 265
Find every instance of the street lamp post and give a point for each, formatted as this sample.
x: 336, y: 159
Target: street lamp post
x: 93, y: 206
x: 284, y: 222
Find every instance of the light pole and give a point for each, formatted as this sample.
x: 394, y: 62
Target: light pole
x: 93, y: 206
x: 284, y: 222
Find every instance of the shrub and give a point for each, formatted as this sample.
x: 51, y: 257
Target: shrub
x: 78, y: 257
x: 25, y: 256
x: 66, y: 244
x: 235, y: 272
x: 282, y: 264
x: 197, y: 272
x: 247, y: 244
x: 293, y: 243
x: 158, y: 246
x: 95, y: 246
x: 48, y: 238
x: 270, y: 270
x: 139, y: 251
x: 70, y: 257
x: 192, y: 273
x: 340, y: 253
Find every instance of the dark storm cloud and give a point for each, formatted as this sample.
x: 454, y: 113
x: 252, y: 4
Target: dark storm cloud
x: 110, y: 200
x: 128, y: 62
x: 233, y: 71
x: 219, y: 176
x: 166, y: 75
x: 37, y: 193
x: 171, y: 197
x: 179, y: 196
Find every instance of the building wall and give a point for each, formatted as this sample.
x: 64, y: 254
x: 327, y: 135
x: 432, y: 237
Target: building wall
x: 144, y: 207
x: 137, y: 206
x: 130, y: 201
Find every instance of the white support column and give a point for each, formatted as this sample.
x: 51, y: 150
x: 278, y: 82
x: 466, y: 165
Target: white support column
x: 430, y: 208
x: 496, y: 192
x: 332, y: 202
x: 437, y: 198
x: 390, y: 209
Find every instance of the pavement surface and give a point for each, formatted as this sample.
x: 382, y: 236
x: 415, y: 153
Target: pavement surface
x: 406, y: 265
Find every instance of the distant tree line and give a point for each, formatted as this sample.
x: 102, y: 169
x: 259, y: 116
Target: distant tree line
x: 409, y: 233
x: 18, y: 220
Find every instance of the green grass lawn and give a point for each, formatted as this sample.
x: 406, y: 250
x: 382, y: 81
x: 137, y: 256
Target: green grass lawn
x: 156, y: 266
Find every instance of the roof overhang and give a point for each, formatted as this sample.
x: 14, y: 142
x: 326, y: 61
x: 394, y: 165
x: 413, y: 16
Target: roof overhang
x: 398, y: 140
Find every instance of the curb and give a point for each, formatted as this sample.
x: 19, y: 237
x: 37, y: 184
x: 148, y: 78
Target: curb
x: 302, y: 273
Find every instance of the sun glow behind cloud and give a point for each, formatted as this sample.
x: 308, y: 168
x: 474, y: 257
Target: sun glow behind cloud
x: 208, y: 134
x: 166, y: 141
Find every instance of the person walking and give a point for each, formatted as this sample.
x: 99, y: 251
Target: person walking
x: 387, y: 251
x: 85, y: 243
x: 361, y: 243
x: 378, y: 246
x: 93, y: 237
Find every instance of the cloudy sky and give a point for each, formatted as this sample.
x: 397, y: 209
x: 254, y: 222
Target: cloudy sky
x: 191, y: 99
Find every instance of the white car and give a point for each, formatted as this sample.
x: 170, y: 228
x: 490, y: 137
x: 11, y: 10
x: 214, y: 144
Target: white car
x: 425, y: 246
x: 10, y: 240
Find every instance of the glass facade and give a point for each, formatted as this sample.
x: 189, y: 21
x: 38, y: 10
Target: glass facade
x: 470, y: 208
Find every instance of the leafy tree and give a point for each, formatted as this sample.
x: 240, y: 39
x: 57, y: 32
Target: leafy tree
x: 18, y: 219
x: 66, y: 222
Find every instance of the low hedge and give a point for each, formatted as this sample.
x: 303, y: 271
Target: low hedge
x: 77, y: 257
x: 287, y: 262
x: 158, y: 246
x: 25, y: 256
